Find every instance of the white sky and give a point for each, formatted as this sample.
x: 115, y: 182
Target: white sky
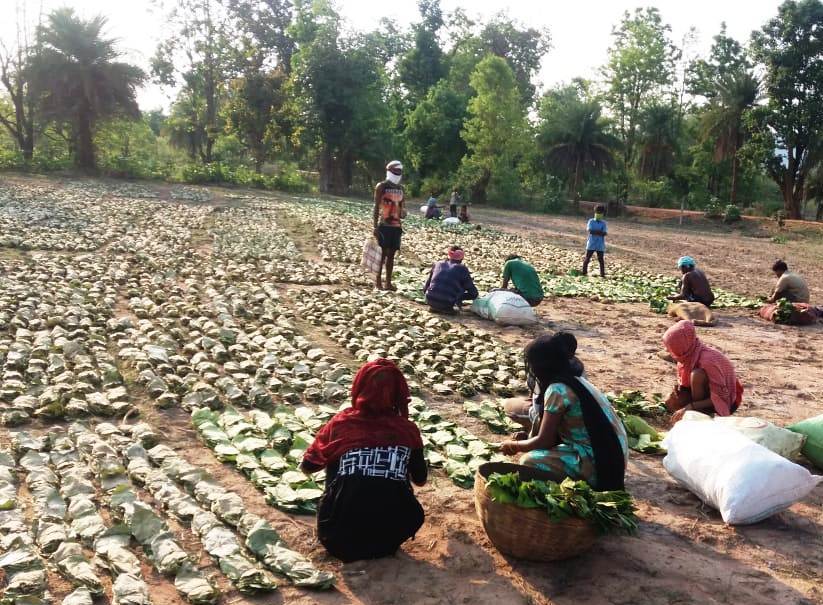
x: 580, y: 29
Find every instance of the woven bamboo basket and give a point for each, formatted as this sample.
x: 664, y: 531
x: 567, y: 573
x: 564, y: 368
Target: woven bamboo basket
x: 528, y: 533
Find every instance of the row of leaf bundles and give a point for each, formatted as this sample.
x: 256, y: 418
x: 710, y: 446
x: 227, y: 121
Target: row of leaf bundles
x: 212, y: 514
x: 138, y: 520
x: 610, y: 511
x: 217, y: 538
x: 456, y: 449
x: 269, y: 450
x: 25, y: 573
x: 64, y: 495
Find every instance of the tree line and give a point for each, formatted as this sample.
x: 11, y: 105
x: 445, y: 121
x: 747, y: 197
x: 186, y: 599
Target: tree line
x: 270, y: 92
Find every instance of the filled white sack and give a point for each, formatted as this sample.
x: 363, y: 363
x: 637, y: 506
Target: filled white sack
x: 505, y: 308
x: 743, y: 480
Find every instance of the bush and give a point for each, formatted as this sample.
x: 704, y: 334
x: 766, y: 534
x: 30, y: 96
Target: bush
x: 289, y: 179
x: 655, y: 194
x: 554, y: 196
x: 732, y: 214
x: 713, y: 209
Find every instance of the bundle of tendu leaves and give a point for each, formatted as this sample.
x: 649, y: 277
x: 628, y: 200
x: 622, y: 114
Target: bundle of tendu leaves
x: 609, y: 511
x: 783, y: 313
x: 636, y: 403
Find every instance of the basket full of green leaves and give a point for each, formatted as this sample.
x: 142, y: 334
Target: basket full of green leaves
x: 529, y: 516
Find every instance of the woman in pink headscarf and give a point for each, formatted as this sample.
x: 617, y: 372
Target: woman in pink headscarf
x: 707, y: 381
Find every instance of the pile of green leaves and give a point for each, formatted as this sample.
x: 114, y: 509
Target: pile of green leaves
x: 642, y: 437
x: 459, y: 452
x: 783, y: 313
x: 636, y: 403
x: 493, y: 415
x: 610, y: 511
x: 268, y: 448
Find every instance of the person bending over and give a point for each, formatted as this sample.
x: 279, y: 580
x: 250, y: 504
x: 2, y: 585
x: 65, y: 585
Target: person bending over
x: 525, y: 279
x: 371, y: 452
x: 578, y: 435
x: 706, y: 378
x: 790, y: 285
x: 449, y: 283
x: 694, y: 285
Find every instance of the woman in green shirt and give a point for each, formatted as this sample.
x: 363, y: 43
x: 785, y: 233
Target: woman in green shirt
x: 525, y: 279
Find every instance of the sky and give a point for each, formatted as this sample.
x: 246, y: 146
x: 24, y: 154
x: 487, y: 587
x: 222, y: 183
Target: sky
x: 580, y: 29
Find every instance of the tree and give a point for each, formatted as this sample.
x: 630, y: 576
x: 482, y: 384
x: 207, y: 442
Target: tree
x: 734, y: 94
x: 264, y: 29
x: 199, y: 53
x: 15, y: 74
x: 495, y: 132
x: 522, y: 47
x: 658, y: 138
x: 432, y: 132
x: 638, y: 73
x: 78, y: 81
x: 254, y: 112
x: 186, y: 125
x: 339, y: 93
x: 727, y: 56
x: 573, y: 136
x: 424, y: 64
x: 790, y: 46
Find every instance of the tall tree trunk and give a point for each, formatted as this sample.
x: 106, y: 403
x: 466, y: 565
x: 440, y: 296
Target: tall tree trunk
x: 325, y: 168
x: 819, y: 215
x: 85, y: 143
x: 576, y: 191
x: 735, y: 162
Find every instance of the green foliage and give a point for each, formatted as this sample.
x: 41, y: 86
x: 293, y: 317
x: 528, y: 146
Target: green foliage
x: 791, y: 124
x: 612, y: 511
x: 495, y: 133
x: 639, y: 72
x: 288, y: 179
x: 423, y: 66
x: 732, y: 214
x: 727, y: 56
x: 714, y: 209
x: 131, y: 149
x: 338, y: 83
x: 432, y: 134
x: 784, y: 311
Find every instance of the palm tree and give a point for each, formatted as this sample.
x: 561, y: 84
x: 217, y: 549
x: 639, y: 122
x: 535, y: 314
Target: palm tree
x: 737, y: 92
x: 658, y: 140
x: 79, y: 81
x: 574, y: 137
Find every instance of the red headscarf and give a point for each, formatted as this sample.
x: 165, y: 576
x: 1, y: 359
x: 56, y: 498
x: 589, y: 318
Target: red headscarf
x: 379, y: 416
x: 690, y: 353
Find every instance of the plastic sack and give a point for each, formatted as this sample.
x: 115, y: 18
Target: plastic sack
x: 451, y: 220
x: 505, y: 308
x: 423, y: 209
x: 812, y: 428
x: 697, y: 312
x: 371, y: 255
x: 781, y: 441
x: 744, y: 481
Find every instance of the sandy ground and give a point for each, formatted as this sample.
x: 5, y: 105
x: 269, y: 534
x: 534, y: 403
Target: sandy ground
x: 683, y: 553
x: 738, y: 259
